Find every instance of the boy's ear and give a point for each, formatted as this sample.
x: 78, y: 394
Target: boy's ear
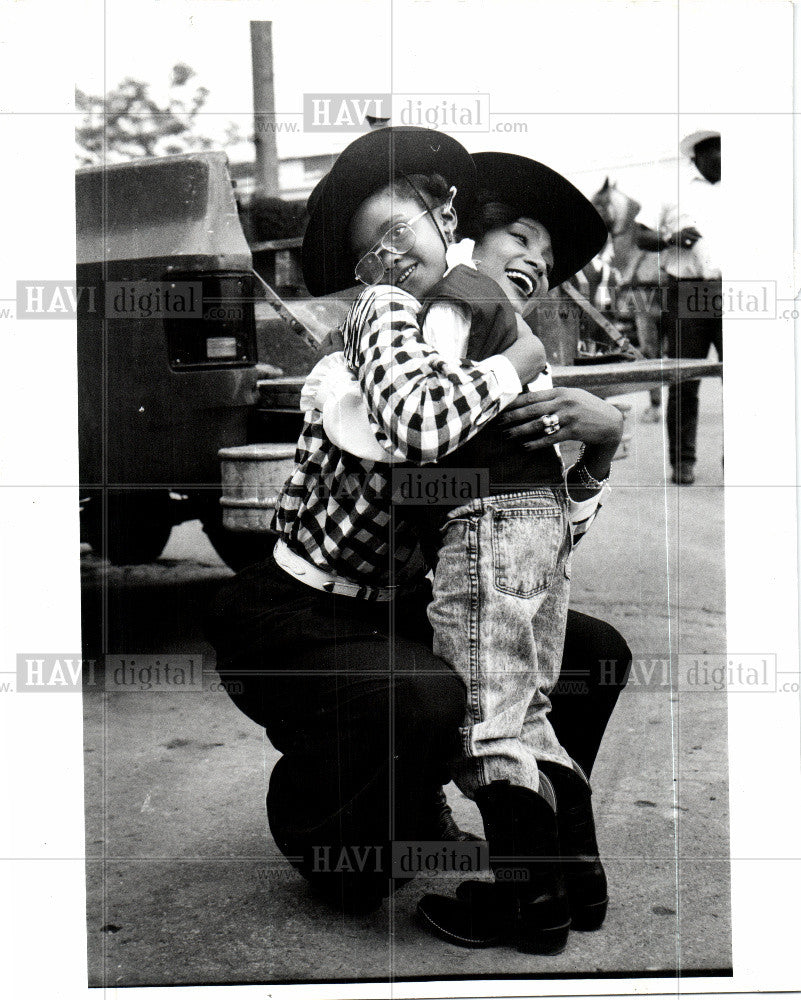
x: 448, y: 213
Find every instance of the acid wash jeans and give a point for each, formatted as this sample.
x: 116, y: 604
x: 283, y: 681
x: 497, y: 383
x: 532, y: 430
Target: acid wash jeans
x: 501, y: 589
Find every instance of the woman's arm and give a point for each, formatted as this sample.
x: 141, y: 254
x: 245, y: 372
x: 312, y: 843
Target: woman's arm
x: 582, y: 417
x: 332, y: 389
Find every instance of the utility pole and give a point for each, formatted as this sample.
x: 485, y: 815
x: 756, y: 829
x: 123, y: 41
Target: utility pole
x: 261, y: 47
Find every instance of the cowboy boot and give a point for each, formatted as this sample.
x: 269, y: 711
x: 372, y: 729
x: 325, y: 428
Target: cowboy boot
x: 585, y: 878
x: 527, y: 905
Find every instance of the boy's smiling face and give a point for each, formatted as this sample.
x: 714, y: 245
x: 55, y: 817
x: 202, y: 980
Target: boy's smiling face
x: 520, y: 258
x: 417, y: 270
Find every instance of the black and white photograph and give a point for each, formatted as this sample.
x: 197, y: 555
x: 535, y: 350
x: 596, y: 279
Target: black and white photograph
x: 323, y: 323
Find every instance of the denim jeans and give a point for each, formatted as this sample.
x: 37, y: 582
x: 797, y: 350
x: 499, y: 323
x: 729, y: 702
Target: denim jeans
x: 365, y: 716
x: 501, y: 589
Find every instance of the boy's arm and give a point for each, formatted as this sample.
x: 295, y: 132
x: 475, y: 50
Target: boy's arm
x: 333, y: 389
x: 582, y: 513
x: 470, y: 315
x: 346, y: 419
x: 446, y: 324
x: 423, y: 405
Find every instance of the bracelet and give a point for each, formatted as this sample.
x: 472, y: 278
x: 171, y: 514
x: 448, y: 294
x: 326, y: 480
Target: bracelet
x: 586, y: 478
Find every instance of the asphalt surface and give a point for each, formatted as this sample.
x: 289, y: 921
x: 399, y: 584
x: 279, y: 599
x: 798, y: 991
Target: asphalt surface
x: 185, y: 885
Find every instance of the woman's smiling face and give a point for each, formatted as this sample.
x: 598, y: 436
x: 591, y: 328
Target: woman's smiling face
x: 417, y: 270
x: 520, y: 258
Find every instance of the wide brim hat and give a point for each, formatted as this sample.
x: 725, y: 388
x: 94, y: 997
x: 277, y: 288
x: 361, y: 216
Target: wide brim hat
x: 535, y: 191
x: 689, y: 142
x: 367, y: 165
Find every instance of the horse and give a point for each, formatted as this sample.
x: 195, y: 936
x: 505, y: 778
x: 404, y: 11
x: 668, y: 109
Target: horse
x: 625, y: 280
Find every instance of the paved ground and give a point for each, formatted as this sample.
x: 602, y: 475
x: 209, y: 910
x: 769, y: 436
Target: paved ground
x: 186, y: 886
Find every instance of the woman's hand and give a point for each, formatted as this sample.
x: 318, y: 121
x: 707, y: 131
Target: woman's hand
x: 582, y: 417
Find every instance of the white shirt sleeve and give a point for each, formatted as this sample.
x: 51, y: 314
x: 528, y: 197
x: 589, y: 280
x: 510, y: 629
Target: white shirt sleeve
x: 333, y: 389
x: 447, y: 328
x: 583, y: 512
x: 347, y: 425
x: 580, y: 510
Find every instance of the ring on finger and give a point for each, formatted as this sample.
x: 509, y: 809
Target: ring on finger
x: 550, y: 423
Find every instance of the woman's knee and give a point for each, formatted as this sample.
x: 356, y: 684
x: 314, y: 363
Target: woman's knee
x: 595, y: 648
x: 430, y: 701
x: 614, y: 655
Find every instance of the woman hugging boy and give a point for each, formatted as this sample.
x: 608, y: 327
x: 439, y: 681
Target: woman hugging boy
x: 404, y: 391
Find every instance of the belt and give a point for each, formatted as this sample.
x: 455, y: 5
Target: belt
x: 305, y: 572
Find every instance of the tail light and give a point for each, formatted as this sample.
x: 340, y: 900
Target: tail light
x: 225, y: 335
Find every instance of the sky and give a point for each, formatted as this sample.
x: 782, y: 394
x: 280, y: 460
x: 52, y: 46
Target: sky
x: 596, y: 86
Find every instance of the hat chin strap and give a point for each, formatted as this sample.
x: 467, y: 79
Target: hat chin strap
x: 427, y: 207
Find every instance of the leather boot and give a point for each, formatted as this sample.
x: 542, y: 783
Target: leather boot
x: 584, y: 875
x: 527, y: 905
x: 585, y: 878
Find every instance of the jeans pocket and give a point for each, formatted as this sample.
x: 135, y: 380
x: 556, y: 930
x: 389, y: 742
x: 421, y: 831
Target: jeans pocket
x: 526, y: 547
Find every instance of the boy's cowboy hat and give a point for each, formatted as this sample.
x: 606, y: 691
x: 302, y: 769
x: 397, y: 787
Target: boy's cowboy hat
x: 535, y: 191
x: 362, y: 168
x: 689, y: 142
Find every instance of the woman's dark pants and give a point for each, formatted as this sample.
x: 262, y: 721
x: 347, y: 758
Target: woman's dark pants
x: 366, y: 717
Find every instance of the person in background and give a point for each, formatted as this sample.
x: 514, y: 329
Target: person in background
x: 686, y: 232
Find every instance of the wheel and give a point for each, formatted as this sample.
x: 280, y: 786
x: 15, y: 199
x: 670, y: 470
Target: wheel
x: 138, y: 525
x: 236, y: 549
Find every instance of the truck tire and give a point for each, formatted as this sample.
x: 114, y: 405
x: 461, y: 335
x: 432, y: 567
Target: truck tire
x: 236, y: 549
x: 138, y: 526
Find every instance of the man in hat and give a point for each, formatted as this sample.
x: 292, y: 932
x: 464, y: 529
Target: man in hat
x: 686, y: 231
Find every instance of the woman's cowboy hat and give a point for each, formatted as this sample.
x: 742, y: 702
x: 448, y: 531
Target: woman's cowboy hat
x: 362, y: 168
x: 535, y: 191
x: 689, y: 142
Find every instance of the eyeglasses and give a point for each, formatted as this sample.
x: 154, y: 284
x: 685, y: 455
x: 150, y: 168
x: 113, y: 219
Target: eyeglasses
x: 399, y: 239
